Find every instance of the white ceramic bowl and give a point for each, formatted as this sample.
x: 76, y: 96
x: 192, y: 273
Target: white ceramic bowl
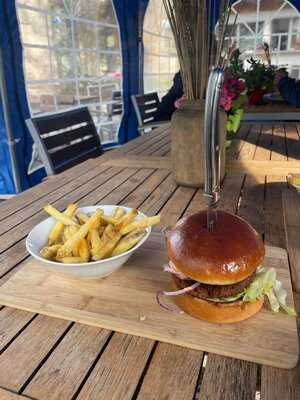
x: 291, y: 178
x: 37, y: 239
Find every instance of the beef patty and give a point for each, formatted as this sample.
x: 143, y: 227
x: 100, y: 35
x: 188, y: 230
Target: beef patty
x: 204, y: 291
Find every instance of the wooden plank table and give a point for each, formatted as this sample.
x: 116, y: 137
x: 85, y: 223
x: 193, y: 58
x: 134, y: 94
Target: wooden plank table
x: 45, y: 358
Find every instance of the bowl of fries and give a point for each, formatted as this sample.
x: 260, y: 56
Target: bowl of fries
x: 89, y: 242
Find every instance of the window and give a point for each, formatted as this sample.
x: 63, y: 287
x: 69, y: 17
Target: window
x: 160, y: 57
x: 72, y: 57
x: 276, y: 22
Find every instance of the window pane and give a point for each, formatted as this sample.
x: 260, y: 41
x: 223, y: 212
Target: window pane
x: 41, y: 98
x: 62, y: 64
x: 95, y: 10
x: 280, y: 25
x: 85, y: 35
x: 69, y: 61
x: 108, y: 38
x: 295, y: 72
x: 247, y: 45
x: 88, y: 64
x: 109, y: 63
x: 39, y: 66
x: 160, y: 57
x: 295, y: 42
x: 60, y: 32
x: 51, y: 5
x: 33, y: 27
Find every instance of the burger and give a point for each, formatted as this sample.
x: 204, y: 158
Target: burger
x: 212, y: 270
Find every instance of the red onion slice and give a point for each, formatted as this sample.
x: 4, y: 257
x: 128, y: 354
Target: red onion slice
x: 173, y: 270
x: 169, y: 307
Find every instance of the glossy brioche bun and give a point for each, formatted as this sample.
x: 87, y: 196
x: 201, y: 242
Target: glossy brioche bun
x: 220, y: 313
x: 227, y: 255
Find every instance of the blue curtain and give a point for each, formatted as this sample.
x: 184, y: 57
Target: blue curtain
x: 130, y: 13
x: 296, y: 3
x: 14, y: 76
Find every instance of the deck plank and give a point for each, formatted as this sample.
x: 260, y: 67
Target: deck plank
x: 63, y: 372
x: 291, y: 213
x: 228, y: 379
x: 274, y: 231
x: 172, y: 374
x: 28, y: 350
x: 119, y: 370
x: 280, y: 384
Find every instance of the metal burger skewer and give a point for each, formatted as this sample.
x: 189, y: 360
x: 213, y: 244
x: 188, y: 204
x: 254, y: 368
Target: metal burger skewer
x: 212, y: 146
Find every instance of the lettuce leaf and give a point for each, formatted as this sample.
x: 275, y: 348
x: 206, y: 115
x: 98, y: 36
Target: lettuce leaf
x: 266, y: 284
x: 226, y: 299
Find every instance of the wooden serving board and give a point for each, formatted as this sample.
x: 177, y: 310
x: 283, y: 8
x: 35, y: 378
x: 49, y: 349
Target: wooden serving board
x: 125, y: 302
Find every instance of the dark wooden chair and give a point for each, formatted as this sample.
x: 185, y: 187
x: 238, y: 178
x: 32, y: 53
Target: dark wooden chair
x: 117, y: 105
x: 146, y: 106
x: 65, y: 139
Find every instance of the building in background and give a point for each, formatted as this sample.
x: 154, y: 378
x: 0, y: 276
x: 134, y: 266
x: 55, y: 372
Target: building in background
x: 275, y: 22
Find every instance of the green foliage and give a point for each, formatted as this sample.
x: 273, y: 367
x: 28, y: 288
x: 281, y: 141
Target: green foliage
x: 259, y: 76
x: 234, y: 120
x: 235, y: 66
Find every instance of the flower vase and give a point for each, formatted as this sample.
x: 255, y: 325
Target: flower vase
x: 187, y: 138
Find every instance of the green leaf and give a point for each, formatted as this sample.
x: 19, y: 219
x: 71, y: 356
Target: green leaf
x: 226, y: 299
x: 265, y: 283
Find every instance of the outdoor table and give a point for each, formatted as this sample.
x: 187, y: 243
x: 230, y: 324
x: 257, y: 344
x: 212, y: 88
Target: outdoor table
x: 46, y: 358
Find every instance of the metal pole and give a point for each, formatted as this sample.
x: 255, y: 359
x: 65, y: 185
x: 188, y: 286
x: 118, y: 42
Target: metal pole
x: 212, y: 148
x: 7, y: 120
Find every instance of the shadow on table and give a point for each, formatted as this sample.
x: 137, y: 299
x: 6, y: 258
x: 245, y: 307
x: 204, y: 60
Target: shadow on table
x: 286, y: 146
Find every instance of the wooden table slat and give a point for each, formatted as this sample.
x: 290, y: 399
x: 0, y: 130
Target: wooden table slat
x: 291, y: 213
x: 25, y: 354
x: 11, y: 322
x: 31, y: 209
x: 228, y: 379
x: 119, y: 370
x: 172, y: 374
x: 65, y: 369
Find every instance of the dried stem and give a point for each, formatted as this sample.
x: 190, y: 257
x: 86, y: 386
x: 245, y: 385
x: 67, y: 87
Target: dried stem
x: 197, y: 48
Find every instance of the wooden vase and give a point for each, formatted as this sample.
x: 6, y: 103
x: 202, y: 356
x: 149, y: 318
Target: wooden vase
x: 187, y: 134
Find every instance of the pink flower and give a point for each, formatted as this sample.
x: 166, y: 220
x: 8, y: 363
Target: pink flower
x: 226, y: 103
x: 231, y: 89
x: 179, y: 102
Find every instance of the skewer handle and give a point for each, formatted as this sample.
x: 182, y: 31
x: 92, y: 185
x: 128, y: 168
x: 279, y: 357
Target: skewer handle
x: 212, y: 144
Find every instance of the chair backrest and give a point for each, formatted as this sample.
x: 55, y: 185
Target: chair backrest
x: 65, y: 139
x: 145, y: 106
x: 117, y: 105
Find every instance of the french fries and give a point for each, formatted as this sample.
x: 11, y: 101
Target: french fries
x: 118, y: 213
x: 49, y: 252
x: 68, y: 246
x: 58, y: 228
x: 83, y: 238
x: 127, y: 242
x: 143, y: 223
x: 59, y: 216
x: 127, y: 219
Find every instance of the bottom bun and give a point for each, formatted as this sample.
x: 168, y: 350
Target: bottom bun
x: 217, y: 312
